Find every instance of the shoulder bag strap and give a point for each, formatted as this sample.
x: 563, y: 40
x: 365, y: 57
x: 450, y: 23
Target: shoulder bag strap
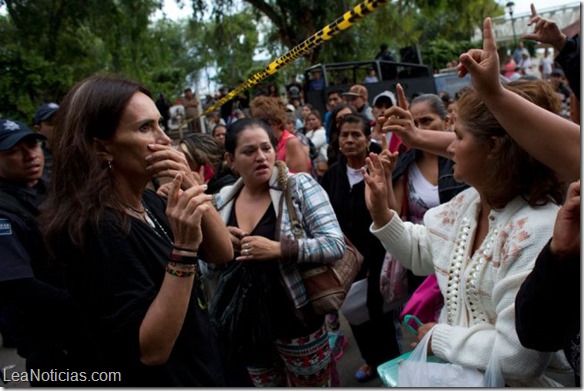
x: 294, y: 222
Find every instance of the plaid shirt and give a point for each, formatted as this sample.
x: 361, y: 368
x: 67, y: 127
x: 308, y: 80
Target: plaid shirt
x: 322, y: 239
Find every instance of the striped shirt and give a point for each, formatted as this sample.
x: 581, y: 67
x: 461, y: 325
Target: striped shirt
x: 322, y: 239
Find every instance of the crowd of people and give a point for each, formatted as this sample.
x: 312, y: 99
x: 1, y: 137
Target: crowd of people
x: 126, y: 251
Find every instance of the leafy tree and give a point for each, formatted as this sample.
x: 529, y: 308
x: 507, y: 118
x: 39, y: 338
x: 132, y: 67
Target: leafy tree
x: 230, y: 45
x: 397, y: 23
x: 46, y: 46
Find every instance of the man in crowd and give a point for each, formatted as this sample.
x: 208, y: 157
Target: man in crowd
x: 358, y: 98
x: 191, y: 105
x: 35, y: 308
x: 43, y: 124
x: 333, y: 98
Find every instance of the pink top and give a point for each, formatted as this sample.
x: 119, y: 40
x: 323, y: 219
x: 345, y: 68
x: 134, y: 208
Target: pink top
x: 281, y: 148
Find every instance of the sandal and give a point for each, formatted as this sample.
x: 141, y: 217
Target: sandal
x: 365, y: 373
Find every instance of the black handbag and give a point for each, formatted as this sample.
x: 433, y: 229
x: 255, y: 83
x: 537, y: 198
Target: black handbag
x: 240, y: 314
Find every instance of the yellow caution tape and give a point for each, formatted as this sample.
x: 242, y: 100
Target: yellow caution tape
x: 348, y: 19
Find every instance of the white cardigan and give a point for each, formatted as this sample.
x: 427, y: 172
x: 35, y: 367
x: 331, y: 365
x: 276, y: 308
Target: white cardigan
x: 479, y: 289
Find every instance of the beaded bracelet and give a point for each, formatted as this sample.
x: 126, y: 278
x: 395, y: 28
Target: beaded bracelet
x: 185, y: 260
x: 180, y: 273
x: 183, y: 266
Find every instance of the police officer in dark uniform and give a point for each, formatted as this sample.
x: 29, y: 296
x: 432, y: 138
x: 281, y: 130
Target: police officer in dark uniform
x: 35, y: 308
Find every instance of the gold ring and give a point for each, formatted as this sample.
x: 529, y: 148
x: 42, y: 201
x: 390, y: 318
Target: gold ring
x: 246, y: 246
x: 245, y: 252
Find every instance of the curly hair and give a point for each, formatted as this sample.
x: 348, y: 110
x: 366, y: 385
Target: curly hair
x: 269, y: 110
x: 513, y: 171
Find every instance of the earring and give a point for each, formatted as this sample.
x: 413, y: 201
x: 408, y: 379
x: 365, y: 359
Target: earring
x: 109, y: 164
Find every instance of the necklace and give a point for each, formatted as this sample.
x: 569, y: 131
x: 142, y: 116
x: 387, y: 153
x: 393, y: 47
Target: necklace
x: 155, y: 225
x: 460, y: 278
x: 136, y: 210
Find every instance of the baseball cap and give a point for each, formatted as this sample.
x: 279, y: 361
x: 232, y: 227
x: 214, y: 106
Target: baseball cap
x: 45, y: 112
x: 290, y: 108
x: 12, y: 132
x: 357, y: 90
x: 386, y: 98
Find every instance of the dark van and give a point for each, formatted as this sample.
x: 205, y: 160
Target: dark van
x: 319, y: 79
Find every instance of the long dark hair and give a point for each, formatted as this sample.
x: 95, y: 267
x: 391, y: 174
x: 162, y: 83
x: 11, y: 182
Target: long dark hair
x: 81, y: 185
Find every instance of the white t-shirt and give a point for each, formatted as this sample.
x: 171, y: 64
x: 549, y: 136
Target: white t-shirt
x: 422, y: 195
x: 546, y: 64
x: 354, y: 175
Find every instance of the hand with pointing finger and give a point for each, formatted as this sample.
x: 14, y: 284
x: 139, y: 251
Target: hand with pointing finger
x: 399, y: 120
x: 545, y: 31
x: 483, y: 64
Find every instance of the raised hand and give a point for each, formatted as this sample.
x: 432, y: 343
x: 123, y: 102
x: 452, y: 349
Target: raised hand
x: 165, y: 161
x: 388, y: 159
x: 399, y: 120
x: 566, y: 239
x: 545, y: 31
x: 377, y: 134
x: 185, y: 211
x: 376, y: 191
x: 483, y: 64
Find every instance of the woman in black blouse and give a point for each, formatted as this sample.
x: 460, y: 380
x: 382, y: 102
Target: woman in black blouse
x: 132, y: 260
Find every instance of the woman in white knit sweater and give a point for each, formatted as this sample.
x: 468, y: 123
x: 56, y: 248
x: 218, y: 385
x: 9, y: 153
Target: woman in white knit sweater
x: 482, y: 244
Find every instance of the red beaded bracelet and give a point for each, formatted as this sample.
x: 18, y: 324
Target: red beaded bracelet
x: 180, y: 273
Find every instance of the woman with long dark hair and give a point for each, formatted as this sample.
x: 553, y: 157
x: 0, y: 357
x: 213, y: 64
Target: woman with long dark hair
x: 132, y: 259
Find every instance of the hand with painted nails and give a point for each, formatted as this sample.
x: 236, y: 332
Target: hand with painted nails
x: 185, y: 212
x: 166, y: 161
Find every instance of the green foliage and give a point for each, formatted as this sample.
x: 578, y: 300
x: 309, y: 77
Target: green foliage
x: 230, y: 44
x: 398, y: 23
x: 439, y: 52
x: 46, y: 46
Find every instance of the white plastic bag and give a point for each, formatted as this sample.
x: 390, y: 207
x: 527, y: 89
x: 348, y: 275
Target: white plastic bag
x: 354, y: 307
x: 415, y: 371
x: 493, y: 375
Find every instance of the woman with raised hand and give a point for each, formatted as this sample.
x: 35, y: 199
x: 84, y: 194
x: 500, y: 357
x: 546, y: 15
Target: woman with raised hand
x: 258, y: 219
x: 481, y: 245
x: 552, y: 140
x: 344, y: 184
x: 131, y: 258
x: 555, y: 279
x: 419, y: 181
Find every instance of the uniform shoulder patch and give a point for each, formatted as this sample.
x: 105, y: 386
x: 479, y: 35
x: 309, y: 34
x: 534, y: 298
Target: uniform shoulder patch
x: 5, y: 227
